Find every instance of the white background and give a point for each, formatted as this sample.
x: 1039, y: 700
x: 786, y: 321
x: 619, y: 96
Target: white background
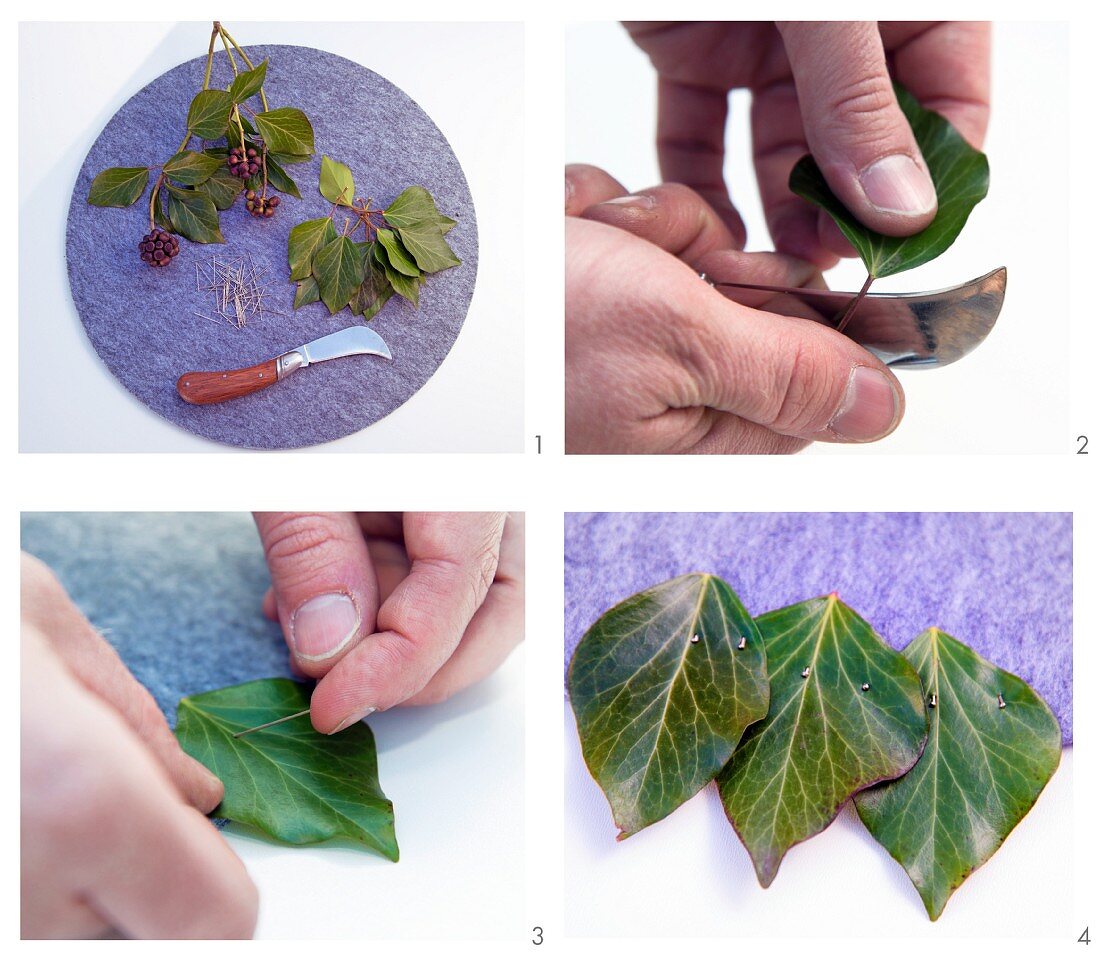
x: 549, y: 484
x: 1010, y: 395
x: 699, y: 879
x: 474, y: 401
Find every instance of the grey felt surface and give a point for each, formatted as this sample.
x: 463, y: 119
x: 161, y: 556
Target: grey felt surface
x: 178, y: 595
x: 1001, y: 583
x: 142, y: 321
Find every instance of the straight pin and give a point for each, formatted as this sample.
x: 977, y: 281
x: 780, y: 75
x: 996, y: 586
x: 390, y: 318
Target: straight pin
x: 267, y: 725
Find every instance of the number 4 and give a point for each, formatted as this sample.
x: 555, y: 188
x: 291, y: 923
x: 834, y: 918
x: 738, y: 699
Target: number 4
x: 1084, y: 938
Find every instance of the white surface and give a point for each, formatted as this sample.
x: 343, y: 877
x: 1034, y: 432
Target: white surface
x: 467, y: 77
x: 454, y: 773
x: 1012, y: 394
x: 689, y: 875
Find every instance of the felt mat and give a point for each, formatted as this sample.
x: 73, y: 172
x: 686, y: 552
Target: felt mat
x: 1001, y: 583
x: 142, y: 320
x: 177, y: 595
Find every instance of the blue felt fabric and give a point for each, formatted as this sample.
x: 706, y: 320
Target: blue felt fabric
x: 1001, y: 583
x: 142, y: 321
x: 178, y: 595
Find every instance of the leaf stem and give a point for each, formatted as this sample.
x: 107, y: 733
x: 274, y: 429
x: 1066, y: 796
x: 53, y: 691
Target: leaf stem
x: 153, y: 200
x: 210, y: 55
x: 846, y: 318
x: 229, y: 53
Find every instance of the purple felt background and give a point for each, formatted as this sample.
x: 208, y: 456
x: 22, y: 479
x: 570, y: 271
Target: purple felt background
x: 141, y: 321
x: 1001, y: 583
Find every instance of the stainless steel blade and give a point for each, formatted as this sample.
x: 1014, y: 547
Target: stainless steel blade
x: 908, y: 329
x: 353, y: 341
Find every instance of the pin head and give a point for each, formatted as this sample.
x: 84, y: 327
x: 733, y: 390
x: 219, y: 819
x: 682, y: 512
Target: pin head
x: 866, y: 686
x: 694, y: 639
x: 741, y: 644
x: 1000, y: 701
x: 932, y: 700
x: 806, y: 672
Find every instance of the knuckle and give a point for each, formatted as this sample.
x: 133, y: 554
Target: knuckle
x: 802, y: 392
x: 299, y: 540
x: 861, y: 103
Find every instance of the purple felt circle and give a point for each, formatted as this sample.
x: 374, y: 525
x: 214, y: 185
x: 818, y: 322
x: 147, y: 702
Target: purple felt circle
x: 144, y: 322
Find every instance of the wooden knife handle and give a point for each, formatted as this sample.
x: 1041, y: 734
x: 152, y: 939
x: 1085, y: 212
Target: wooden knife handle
x: 219, y: 387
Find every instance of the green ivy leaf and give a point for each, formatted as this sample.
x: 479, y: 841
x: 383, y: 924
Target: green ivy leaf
x: 193, y: 214
x: 445, y: 224
x: 662, y: 693
x: 279, y: 179
x: 824, y: 737
x: 284, y: 158
x: 959, y: 172
x: 286, y: 129
x: 376, y: 290
x: 118, y: 187
x: 208, y: 116
x: 160, y: 216
x: 305, y: 241
x: 417, y: 221
x: 337, y: 184
x: 338, y: 267
x: 396, y: 254
x: 288, y: 781
x: 982, y: 769
x: 233, y: 135
x: 305, y: 292
x: 406, y: 287
x: 223, y: 187
x: 192, y: 167
x: 248, y: 83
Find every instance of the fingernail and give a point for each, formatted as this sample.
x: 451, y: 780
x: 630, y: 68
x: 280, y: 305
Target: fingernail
x: 898, y: 184
x: 323, y: 625
x: 632, y: 201
x: 352, y: 719
x: 870, y: 407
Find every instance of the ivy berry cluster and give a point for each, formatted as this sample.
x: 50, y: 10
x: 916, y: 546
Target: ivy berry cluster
x: 239, y: 151
x: 401, y: 245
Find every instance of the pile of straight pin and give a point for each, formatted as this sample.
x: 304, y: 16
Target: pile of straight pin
x: 238, y: 290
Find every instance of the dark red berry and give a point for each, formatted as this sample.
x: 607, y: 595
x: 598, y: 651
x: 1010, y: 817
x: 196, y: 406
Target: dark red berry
x: 158, y: 247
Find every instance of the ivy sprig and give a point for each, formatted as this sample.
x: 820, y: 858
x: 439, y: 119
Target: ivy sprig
x: 402, y: 243
x: 193, y: 186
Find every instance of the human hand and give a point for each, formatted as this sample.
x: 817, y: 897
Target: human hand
x: 113, y: 840
x: 656, y: 361
x: 391, y: 609
x: 819, y: 87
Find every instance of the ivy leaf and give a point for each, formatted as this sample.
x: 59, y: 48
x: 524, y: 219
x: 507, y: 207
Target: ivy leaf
x: 279, y: 179
x: 417, y: 221
x: 338, y: 266
x: 662, y: 693
x: 160, y: 216
x: 248, y: 83
x: 223, y: 187
x: 306, y: 292
x: 445, y: 224
x: 192, y: 167
x: 193, y: 214
x: 824, y: 737
x: 396, y: 254
x: 982, y: 770
x: 959, y: 172
x: 305, y: 241
x: 208, y: 116
x: 118, y: 187
x: 233, y: 135
x: 288, y: 159
x: 406, y: 287
x: 337, y: 184
x: 376, y: 290
x: 286, y: 129
x: 289, y: 781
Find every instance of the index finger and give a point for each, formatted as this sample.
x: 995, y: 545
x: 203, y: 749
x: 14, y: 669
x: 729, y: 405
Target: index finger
x: 453, y: 560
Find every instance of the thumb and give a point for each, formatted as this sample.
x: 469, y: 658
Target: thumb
x: 854, y: 127
x: 326, y: 592
x: 794, y: 376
